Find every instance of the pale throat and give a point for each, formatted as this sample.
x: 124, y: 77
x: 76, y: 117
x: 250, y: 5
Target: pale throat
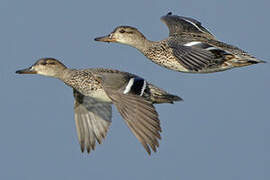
x: 141, y: 44
x: 64, y: 74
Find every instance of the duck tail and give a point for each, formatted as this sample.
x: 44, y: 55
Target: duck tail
x: 247, y: 62
x: 168, y: 98
x: 255, y: 61
x: 158, y: 95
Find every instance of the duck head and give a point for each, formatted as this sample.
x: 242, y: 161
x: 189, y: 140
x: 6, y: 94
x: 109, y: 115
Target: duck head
x: 45, y: 66
x: 125, y: 35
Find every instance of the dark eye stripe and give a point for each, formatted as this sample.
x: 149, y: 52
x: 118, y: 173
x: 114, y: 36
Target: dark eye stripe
x: 46, y: 63
x: 122, y: 31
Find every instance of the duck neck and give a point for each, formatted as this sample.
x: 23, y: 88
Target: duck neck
x: 65, y: 74
x: 143, y: 44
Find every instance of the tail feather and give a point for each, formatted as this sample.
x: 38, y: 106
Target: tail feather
x: 158, y: 95
x: 245, y: 62
x: 168, y: 98
x: 256, y: 61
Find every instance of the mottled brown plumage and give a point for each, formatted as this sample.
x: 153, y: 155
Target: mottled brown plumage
x: 189, y: 48
x: 96, y: 89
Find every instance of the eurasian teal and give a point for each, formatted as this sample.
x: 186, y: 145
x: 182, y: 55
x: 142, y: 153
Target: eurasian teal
x: 189, y: 48
x: 95, y: 90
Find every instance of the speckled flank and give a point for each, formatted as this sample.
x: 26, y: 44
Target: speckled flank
x: 161, y: 54
x: 85, y: 82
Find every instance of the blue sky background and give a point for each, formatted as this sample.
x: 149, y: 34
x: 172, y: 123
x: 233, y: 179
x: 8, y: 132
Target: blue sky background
x: 220, y: 131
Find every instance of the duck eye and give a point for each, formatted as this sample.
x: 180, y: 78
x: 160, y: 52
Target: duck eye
x: 51, y: 63
x: 122, y: 31
x: 43, y: 63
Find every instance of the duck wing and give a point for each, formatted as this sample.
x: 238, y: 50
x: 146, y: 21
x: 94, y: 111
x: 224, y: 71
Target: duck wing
x: 92, y: 118
x: 180, y: 24
x: 196, y: 55
x: 125, y: 91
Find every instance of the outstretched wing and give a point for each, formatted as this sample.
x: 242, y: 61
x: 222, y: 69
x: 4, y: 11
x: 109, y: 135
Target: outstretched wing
x: 196, y: 56
x: 179, y: 24
x: 138, y: 113
x: 92, y: 119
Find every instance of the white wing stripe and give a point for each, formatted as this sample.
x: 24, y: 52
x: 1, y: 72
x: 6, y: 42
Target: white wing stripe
x: 192, y: 43
x: 143, y: 88
x: 211, y: 48
x: 194, y: 25
x: 129, y: 85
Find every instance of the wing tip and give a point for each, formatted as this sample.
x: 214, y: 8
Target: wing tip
x: 168, y: 14
x: 88, y: 149
x: 164, y: 18
x: 82, y: 148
